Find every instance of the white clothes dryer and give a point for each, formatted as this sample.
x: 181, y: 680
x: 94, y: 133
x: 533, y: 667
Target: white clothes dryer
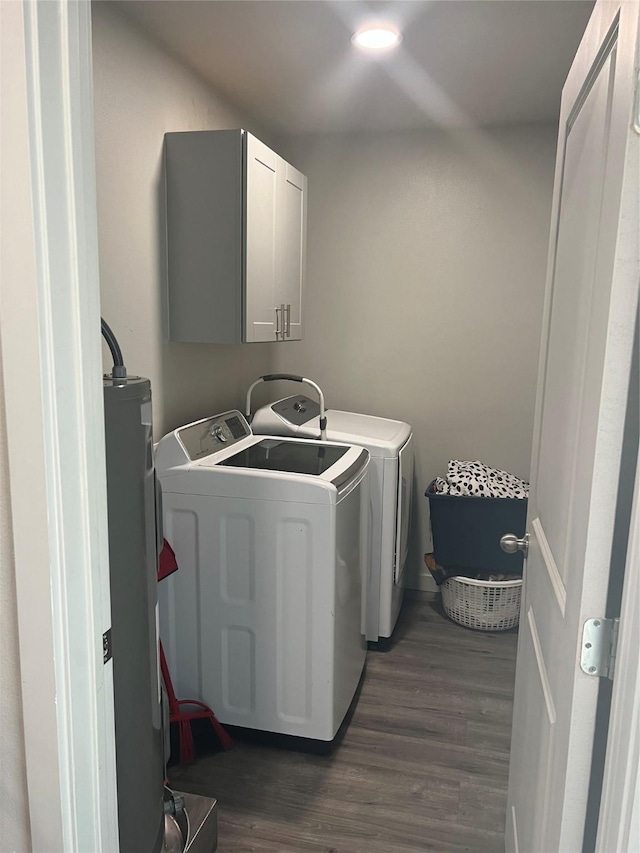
x: 262, y: 620
x: 390, y: 444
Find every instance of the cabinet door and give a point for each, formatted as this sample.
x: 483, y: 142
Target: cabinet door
x: 291, y: 242
x: 261, y: 320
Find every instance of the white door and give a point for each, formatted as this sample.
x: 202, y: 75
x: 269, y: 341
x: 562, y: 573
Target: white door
x: 263, y: 319
x: 291, y: 241
x: 590, y: 312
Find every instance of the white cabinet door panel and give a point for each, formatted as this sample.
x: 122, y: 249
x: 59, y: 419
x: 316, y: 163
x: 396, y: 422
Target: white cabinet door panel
x: 291, y: 230
x: 261, y: 204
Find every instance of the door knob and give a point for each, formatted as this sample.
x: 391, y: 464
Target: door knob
x: 511, y: 544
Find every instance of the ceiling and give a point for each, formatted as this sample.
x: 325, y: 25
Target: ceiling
x: 290, y: 65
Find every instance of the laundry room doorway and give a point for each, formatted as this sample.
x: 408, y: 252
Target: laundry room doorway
x: 59, y: 585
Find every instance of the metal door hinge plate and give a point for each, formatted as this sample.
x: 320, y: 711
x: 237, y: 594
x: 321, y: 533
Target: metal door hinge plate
x: 599, y: 642
x: 107, y: 651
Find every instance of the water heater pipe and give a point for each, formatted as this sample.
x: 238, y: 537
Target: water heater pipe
x: 119, y: 370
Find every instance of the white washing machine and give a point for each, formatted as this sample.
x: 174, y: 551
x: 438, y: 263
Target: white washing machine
x: 262, y: 620
x: 390, y: 444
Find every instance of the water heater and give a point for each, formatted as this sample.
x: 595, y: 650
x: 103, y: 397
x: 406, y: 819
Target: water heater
x: 134, y: 540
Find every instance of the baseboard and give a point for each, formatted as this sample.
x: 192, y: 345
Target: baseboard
x: 422, y: 581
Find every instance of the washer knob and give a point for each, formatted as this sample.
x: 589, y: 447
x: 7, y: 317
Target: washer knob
x: 218, y: 432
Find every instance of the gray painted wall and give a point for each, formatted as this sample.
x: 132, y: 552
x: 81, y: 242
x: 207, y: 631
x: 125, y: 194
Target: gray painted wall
x: 426, y: 268
x: 141, y: 93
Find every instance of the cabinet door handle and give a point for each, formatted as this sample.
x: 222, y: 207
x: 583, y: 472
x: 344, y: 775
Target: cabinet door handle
x: 283, y: 309
x: 287, y: 327
x: 278, y: 330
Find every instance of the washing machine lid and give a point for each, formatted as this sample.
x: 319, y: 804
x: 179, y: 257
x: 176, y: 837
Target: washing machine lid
x: 296, y: 457
x: 374, y: 433
x: 220, y: 456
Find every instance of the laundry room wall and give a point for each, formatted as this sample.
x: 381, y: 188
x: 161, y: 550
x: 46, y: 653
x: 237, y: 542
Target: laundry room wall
x: 140, y: 93
x: 426, y: 268
x: 425, y: 275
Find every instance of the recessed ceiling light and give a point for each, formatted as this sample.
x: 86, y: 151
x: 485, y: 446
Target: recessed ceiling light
x: 377, y: 38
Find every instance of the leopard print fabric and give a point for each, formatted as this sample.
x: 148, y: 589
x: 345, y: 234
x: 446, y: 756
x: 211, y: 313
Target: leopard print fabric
x: 474, y: 479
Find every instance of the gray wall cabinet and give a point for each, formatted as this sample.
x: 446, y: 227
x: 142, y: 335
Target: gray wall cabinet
x: 236, y: 239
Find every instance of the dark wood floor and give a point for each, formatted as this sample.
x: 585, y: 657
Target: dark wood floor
x: 423, y: 765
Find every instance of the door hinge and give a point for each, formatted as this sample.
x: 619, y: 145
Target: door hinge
x: 599, y: 646
x: 107, y: 650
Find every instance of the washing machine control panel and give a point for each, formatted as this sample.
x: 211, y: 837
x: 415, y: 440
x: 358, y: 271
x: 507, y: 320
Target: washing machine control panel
x: 206, y: 437
x: 297, y: 410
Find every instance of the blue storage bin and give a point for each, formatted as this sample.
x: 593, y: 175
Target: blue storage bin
x: 467, y: 530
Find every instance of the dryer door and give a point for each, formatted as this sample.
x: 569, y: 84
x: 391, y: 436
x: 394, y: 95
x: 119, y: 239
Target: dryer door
x: 405, y: 491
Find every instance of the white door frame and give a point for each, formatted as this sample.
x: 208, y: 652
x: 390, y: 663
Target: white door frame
x: 51, y: 352
x: 619, y: 820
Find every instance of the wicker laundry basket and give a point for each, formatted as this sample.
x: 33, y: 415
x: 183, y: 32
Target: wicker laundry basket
x: 482, y: 605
